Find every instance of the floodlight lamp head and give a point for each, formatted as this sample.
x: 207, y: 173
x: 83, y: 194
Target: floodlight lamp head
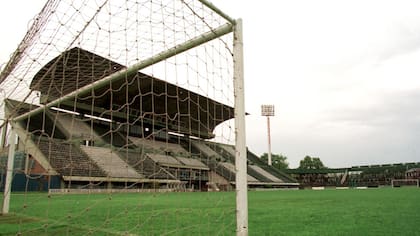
x: 267, y: 110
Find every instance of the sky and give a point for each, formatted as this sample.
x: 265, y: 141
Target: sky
x: 344, y: 76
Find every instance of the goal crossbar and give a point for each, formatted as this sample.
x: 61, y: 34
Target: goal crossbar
x: 217, y: 10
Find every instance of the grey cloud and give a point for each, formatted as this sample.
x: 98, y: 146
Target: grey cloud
x: 406, y: 39
x: 394, y: 108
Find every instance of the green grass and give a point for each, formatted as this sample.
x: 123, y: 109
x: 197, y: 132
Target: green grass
x: 330, y: 212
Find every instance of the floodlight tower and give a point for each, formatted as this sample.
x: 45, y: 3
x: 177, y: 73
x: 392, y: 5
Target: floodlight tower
x: 268, y: 110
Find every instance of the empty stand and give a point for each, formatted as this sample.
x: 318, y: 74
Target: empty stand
x: 111, y: 136
x: 265, y: 173
x: 145, y: 166
x: 67, y: 159
x: 273, y: 171
x: 75, y: 127
x: 192, y: 163
x: 145, y: 159
x: 164, y: 160
x: 156, y: 145
x: 41, y: 125
x: 134, y: 159
x: 227, y: 152
x: 109, y: 161
x: 228, y: 148
x: 258, y: 176
x: 231, y: 167
x: 206, y: 150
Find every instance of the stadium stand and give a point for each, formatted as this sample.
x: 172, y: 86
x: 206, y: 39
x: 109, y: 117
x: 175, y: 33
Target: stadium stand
x: 75, y: 128
x: 111, y: 136
x: 67, y: 159
x: 206, y: 151
x: 265, y: 173
x: 165, y: 160
x: 413, y: 173
x: 87, y: 141
x: 231, y: 167
x: 144, y: 165
x: 356, y: 176
x: 252, y: 158
x: 192, y: 163
x: 163, y: 147
x: 110, y: 162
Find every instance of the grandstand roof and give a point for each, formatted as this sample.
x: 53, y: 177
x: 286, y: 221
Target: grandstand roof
x: 188, y: 112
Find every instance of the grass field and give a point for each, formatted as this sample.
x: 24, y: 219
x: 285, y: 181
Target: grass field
x: 382, y: 211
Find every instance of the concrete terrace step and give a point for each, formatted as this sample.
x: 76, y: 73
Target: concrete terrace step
x: 265, y: 173
x: 110, y: 162
x: 76, y: 128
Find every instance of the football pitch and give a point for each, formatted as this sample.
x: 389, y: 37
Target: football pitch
x: 383, y: 211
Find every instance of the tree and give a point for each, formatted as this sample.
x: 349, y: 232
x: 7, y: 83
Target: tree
x: 277, y: 160
x: 311, y: 163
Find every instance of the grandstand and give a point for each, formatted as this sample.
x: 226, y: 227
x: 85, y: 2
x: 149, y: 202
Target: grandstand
x: 160, y: 140
x: 356, y: 176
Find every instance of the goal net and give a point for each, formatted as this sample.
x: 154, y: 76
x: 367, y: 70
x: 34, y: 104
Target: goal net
x: 116, y: 111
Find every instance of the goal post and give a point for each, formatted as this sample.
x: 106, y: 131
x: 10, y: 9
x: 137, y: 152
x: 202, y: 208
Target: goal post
x: 9, y: 173
x: 241, y: 152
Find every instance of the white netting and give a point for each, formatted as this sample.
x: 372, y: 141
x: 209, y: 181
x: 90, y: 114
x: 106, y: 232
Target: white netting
x: 124, y: 32
x: 142, y: 131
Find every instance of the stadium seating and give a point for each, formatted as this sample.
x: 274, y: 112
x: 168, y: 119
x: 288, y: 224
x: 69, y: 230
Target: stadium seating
x: 111, y: 153
x: 135, y: 129
x: 68, y: 159
x: 192, y: 163
x: 145, y: 165
x: 165, y: 160
x: 267, y: 175
x: 206, y: 151
x: 273, y: 171
x: 158, y: 146
x: 76, y: 128
x: 111, y: 163
x: 231, y: 168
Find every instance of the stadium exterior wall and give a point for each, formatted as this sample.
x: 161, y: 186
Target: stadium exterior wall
x: 22, y: 183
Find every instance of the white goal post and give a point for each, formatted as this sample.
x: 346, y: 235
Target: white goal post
x: 407, y: 182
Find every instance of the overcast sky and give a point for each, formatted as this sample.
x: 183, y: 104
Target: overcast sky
x: 344, y: 76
